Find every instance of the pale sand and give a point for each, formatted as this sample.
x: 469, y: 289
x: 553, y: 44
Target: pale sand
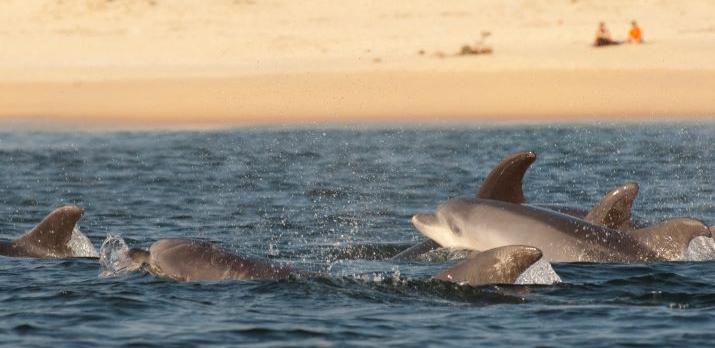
x: 191, y: 63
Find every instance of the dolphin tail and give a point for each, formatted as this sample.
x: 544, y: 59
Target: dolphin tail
x: 614, y: 209
x: 51, y: 236
x: 502, y: 265
x: 670, y: 239
x: 504, y: 182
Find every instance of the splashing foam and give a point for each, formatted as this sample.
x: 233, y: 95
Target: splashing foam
x: 540, y: 272
x: 700, y: 249
x: 80, y: 245
x: 114, y: 257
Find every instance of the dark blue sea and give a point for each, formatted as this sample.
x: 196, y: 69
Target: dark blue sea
x: 339, y: 200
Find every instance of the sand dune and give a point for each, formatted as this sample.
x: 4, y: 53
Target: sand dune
x: 222, y: 62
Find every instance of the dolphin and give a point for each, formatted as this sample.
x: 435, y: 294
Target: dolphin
x: 505, y: 183
x: 482, y: 224
x: 52, y: 238
x: 501, y: 265
x: 195, y: 260
x: 614, y: 210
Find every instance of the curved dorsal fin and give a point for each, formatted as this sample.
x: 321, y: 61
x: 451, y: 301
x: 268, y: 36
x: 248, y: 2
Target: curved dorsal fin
x: 502, y: 265
x: 504, y: 182
x: 614, y: 209
x: 671, y: 238
x: 49, y: 238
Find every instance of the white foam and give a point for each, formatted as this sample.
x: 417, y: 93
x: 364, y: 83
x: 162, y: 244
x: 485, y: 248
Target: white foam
x: 700, y: 249
x: 114, y: 257
x: 540, y: 272
x: 80, y: 245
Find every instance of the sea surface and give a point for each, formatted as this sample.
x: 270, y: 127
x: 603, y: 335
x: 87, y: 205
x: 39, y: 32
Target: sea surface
x: 339, y: 200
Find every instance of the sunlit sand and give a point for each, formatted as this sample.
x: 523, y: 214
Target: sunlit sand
x: 234, y: 63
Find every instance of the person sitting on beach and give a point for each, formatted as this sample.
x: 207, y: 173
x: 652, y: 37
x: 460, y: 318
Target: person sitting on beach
x: 635, y: 35
x: 603, y: 36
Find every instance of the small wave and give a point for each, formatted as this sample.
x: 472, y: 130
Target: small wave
x: 443, y: 255
x: 80, y: 245
x: 540, y: 272
x: 114, y: 257
x: 700, y: 249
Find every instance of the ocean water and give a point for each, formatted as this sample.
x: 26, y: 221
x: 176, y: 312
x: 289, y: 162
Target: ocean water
x: 339, y: 200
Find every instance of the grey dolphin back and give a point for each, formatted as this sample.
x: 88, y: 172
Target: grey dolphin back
x: 416, y: 250
x: 194, y: 260
x: 501, y: 265
x: 504, y: 182
x: 614, y: 209
x: 51, y: 236
x: 670, y: 239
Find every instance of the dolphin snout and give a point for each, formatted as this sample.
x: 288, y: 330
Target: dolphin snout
x: 424, y: 220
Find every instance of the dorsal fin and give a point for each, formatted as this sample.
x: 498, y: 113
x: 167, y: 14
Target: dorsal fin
x: 504, y: 182
x: 671, y: 238
x: 614, y: 209
x: 49, y: 238
x: 501, y: 265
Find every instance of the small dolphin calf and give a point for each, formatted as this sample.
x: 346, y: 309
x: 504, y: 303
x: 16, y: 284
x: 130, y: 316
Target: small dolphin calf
x: 194, y: 260
x: 54, y: 236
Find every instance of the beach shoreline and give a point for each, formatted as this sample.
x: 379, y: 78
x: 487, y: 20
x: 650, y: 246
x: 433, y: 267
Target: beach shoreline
x: 425, y: 97
x: 98, y: 64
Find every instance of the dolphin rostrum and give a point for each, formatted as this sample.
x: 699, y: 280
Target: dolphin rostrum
x: 52, y: 237
x: 195, y: 260
x: 482, y: 224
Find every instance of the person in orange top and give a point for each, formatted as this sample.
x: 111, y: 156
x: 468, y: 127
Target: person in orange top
x: 635, y: 35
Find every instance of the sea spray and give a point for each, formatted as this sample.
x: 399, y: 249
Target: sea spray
x: 540, y: 272
x: 80, y: 245
x: 114, y: 257
x: 700, y: 249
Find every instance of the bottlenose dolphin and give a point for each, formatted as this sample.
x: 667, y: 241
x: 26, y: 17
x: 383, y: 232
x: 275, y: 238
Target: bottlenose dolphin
x: 505, y: 183
x: 194, y: 260
x: 501, y: 265
x: 51, y: 237
x: 481, y: 224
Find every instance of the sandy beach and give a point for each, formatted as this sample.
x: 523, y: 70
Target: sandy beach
x: 190, y: 63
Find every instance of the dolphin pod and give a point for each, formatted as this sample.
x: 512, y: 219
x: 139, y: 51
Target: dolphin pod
x: 195, y: 260
x: 498, y: 216
x: 51, y: 238
x: 480, y: 224
x: 505, y: 183
x: 507, y: 234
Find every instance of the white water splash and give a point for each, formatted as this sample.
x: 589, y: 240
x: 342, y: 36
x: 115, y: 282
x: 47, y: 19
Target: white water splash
x: 114, y: 258
x: 540, y: 272
x: 700, y: 249
x: 443, y: 255
x: 80, y: 245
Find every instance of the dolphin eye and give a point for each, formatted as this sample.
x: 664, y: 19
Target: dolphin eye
x: 455, y: 229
